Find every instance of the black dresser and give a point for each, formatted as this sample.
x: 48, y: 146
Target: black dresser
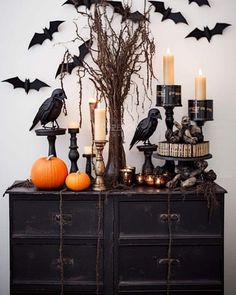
x: 137, y: 241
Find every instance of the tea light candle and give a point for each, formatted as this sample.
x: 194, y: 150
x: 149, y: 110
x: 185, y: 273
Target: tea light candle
x: 73, y: 125
x: 99, y: 123
x: 88, y: 150
x: 158, y: 182
x: 168, y: 68
x: 200, y: 86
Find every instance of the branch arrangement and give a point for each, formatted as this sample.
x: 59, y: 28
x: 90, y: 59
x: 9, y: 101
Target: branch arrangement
x: 118, y: 50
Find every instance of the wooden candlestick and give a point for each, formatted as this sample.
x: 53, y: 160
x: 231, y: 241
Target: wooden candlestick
x: 88, y: 167
x: 169, y: 97
x: 73, y: 153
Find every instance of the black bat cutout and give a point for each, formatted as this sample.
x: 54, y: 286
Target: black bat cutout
x: 77, y: 60
x: 200, y: 2
x: 87, y: 3
x: 207, y: 33
x: 117, y: 6
x: 39, y: 38
x: 135, y: 17
x: 27, y: 85
x: 177, y: 17
x: 125, y: 12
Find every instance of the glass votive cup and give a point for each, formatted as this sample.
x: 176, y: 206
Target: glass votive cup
x: 126, y: 176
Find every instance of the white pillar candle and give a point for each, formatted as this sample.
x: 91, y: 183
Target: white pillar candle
x: 99, y: 124
x: 88, y: 150
x: 168, y: 68
x: 200, y: 86
x: 92, y: 100
x: 73, y: 125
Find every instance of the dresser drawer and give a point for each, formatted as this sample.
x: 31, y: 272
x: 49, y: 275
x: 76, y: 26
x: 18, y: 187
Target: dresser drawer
x: 150, y: 218
x: 145, y: 264
x: 39, y: 264
x: 174, y: 292
x: 41, y: 218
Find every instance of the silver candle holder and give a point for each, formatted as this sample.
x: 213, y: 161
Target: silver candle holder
x: 99, y: 184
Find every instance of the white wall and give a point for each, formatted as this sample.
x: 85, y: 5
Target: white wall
x: 20, y: 148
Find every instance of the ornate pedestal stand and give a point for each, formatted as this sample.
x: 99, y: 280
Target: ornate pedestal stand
x: 148, y: 151
x: 51, y: 136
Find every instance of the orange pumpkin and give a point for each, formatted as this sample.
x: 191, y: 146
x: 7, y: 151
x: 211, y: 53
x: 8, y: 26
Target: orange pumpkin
x: 49, y: 173
x: 78, y: 181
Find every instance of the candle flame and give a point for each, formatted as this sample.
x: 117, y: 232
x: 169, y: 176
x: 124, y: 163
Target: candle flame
x: 200, y: 72
x: 168, y: 51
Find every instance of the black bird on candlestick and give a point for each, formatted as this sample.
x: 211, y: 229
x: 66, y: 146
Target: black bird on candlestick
x: 50, y: 109
x: 146, y: 128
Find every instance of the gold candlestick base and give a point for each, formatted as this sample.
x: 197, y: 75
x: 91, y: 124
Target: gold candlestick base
x: 99, y: 184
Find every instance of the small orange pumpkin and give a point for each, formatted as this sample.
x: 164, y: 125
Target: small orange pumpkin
x: 78, y: 181
x: 49, y: 173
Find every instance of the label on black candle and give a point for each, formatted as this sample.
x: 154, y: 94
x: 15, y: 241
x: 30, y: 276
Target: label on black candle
x: 200, y: 110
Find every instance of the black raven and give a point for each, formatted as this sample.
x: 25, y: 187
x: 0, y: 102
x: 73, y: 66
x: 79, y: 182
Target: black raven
x: 50, y: 109
x: 146, y: 127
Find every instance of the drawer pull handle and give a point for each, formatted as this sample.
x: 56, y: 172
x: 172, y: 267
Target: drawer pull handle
x: 66, y: 218
x: 172, y: 217
x: 166, y: 261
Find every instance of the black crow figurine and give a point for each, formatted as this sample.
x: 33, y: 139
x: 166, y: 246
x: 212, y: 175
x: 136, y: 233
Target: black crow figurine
x: 50, y: 109
x: 146, y: 128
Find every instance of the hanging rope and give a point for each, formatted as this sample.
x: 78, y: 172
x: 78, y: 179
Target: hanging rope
x: 169, y: 246
x: 61, y: 259
x: 99, y: 236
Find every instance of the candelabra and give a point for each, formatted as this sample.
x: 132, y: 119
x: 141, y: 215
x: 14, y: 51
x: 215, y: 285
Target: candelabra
x: 73, y: 153
x: 99, y: 184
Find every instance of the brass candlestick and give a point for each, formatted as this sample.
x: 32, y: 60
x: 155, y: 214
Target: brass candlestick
x: 99, y: 184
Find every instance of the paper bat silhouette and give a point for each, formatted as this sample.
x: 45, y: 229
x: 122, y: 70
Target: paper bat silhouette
x: 27, y: 85
x: 207, y: 33
x: 47, y: 33
x: 118, y: 6
x: 200, y: 2
x: 125, y: 12
x: 78, y: 3
x: 177, y: 17
x: 135, y: 16
x: 77, y: 60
